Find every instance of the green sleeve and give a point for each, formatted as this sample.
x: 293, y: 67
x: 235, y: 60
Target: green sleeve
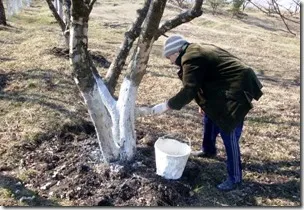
x: 192, y: 74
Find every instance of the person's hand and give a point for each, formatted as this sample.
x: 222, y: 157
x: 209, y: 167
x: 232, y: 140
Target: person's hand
x: 142, y: 111
x: 200, y: 111
x: 160, y: 108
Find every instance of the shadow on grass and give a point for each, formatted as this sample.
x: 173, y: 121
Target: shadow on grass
x: 280, y: 81
x: 45, y: 80
x: 285, y: 189
x: 10, y: 28
x: 278, y: 168
x: 97, y: 57
x: 21, y: 193
x: 255, y: 21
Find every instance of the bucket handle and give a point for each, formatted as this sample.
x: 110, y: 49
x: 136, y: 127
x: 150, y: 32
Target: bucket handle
x: 168, y: 136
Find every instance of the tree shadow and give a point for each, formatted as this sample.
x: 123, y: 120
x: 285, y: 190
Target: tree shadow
x: 278, y: 168
x: 279, y: 81
x: 248, y: 194
x: 48, y: 80
x: 10, y: 28
x: 262, y: 23
x: 21, y: 193
x: 97, y: 57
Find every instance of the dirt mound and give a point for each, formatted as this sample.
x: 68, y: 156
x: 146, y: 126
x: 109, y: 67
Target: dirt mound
x: 68, y: 167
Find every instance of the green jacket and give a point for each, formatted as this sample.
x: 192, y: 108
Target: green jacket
x: 221, y: 84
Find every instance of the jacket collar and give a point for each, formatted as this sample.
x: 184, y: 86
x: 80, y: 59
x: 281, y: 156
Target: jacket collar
x: 178, y: 61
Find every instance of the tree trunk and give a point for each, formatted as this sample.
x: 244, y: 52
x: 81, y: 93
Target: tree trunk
x: 130, y: 36
x: 136, y: 71
x: 59, y: 20
x: 86, y: 77
x: 114, y: 120
x: 60, y: 10
x: 20, y: 5
x: 2, y: 14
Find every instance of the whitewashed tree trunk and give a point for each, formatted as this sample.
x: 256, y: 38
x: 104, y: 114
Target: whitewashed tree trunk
x: 60, y: 10
x: 100, y: 103
x: 9, y: 7
x: 59, y: 19
x: 55, y: 3
x: 28, y: 3
x: 15, y: 6
x: 114, y: 120
x: 19, y: 5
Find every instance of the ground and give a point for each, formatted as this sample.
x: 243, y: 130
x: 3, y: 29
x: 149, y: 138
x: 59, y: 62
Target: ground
x: 49, y: 153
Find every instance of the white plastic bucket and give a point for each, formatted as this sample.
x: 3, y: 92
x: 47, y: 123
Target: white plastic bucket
x: 171, y: 157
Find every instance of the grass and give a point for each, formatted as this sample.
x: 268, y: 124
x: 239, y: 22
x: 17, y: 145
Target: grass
x: 39, y: 97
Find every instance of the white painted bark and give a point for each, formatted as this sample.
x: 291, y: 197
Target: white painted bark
x: 60, y: 10
x: 126, y: 106
x: 113, y: 120
x: 28, y: 3
x: 112, y: 108
x: 9, y: 7
x: 19, y: 5
x: 102, y: 122
x: 15, y: 7
x: 90, y: 87
x: 55, y: 3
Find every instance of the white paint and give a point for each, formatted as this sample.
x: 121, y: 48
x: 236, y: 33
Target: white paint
x: 102, y: 123
x: 126, y: 105
x: 110, y: 104
x: 15, y: 6
x: 60, y: 10
x: 76, y: 80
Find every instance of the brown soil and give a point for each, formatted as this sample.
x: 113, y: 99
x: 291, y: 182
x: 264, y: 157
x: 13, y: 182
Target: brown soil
x: 68, y: 168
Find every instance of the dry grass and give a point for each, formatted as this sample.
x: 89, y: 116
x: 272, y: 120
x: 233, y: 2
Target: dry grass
x: 39, y: 97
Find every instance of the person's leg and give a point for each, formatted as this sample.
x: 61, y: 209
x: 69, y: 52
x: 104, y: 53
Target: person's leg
x: 209, y: 136
x: 234, y: 168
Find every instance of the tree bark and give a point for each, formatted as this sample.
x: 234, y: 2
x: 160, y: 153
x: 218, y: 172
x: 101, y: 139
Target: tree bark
x: 113, y: 120
x: 2, y: 14
x: 130, y: 36
x: 59, y: 20
x: 86, y: 78
x: 135, y: 73
x: 184, y: 17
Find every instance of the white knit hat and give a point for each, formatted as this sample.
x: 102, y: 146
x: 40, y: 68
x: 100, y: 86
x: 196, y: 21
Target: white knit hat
x: 173, y: 44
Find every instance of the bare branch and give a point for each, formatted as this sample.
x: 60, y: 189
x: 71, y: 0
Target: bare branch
x: 120, y: 58
x: 184, y: 17
x: 259, y: 8
x: 147, y: 37
x: 294, y: 21
x: 277, y: 9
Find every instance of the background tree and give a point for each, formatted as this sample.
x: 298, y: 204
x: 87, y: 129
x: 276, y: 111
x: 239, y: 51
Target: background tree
x: 114, y: 119
x: 236, y: 6
x: 2, y: 14
x: 215, y: 5
x: 276, y: 9
x: 63, y: 22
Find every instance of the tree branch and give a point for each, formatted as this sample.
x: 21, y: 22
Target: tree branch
x: 120, y: 58
x: 56, y: 15
x: 141, y: 54
x: 277, y: 9
x: 91, y: 5
x: 184, y: 17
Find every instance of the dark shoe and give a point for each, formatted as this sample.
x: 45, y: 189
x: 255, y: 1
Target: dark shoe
x: 228, y: 185
x: 203, y: 154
